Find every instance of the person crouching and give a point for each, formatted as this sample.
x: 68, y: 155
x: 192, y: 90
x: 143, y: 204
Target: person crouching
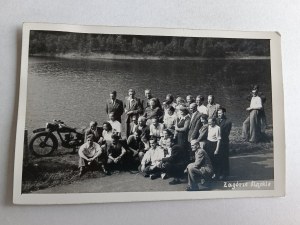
x: 91, y: 155
x: 116, y: 153
x: 200, y: 170
x: 151, y: 162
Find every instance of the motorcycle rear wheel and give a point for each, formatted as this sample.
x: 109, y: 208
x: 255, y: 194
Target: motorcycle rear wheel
x: 39, y: 147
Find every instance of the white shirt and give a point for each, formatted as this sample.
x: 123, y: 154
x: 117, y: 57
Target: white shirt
x: 153, y: 156
x: 156, y: 131
x: 255, y: 102
x: 169, y: 121
x: 107, y: 135
x: 116, y: 126
x: 89, y: 151
x: 214, y: 133
x: 202, y: 109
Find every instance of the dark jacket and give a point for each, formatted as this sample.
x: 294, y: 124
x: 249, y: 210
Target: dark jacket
x: 225, y: 126
x: 177, y: 155
x: 136, y: 107
x: 194, y: 127
x: 117, y: 108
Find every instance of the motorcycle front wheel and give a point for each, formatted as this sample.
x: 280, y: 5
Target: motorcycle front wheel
x: 43, y: 144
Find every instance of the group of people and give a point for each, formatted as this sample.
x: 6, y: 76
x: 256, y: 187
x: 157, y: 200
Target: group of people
x: 178, y: 138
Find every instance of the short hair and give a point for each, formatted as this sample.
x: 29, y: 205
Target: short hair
x: 153, y: 100
x: 148, y: 90
x: 131, y: 90
x: 180, y: 100
x: 170, y: 96
x: 155, y: 118
x: 214, y: 119
x: 189, y: 96
x: 204, y: 116
x: 139, y: 132
x: 90, y: 136
x: 184, y: 110
x: 171, y: 139
x: 108, y: 125
x: 201, y: 97
x: 93, y: 123
x: 212, y: 96
x: 193, y: 105
x: 114, y: 93
x: 223, y: 109
x: 171, y: 108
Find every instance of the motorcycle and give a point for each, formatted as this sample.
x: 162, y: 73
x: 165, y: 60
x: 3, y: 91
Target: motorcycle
x: 44, y: 142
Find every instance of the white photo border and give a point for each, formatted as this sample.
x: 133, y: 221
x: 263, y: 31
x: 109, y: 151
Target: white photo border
x: 83, y: 198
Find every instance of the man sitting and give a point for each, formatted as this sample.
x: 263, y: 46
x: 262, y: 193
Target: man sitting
x: 151, y: 162
x: 199, y: 170
x: 174, y: 163
x: 156, y: 128
x: 115, y: 124
x: 89, y: 153
x: 93, y: 129
x: 115, y: 152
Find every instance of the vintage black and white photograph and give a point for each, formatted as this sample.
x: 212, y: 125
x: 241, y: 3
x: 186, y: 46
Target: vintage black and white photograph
x: 141, y: 112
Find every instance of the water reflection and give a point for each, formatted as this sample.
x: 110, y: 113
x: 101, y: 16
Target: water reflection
x: 75, y: 91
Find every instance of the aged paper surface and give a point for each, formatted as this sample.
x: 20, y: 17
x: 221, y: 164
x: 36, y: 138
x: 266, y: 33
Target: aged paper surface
x: 72, y: 58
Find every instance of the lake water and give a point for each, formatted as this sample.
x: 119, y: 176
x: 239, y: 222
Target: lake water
x: 75, y: 91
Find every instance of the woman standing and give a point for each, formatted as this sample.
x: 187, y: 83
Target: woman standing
x: 213, y: 142
x: 182, y: 128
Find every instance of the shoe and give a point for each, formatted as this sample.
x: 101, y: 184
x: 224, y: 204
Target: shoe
x: 146, y: 175
x: 173, y: 182
x: 164, y: 176
x: 189, y: 188
x: 154, y: 176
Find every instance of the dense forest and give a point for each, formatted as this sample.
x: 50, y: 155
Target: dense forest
x: 49, y: 42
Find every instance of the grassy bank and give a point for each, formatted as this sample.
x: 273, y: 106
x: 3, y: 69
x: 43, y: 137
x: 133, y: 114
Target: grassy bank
x: 61, y: 168
x: 110, y: 56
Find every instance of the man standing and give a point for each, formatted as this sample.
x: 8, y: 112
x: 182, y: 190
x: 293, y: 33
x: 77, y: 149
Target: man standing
x: 114, y: 105
x: 169, y: 102
x: 252, y: 125
x: 200, y: 169
x: 189, y: 100
x: 222, y: 170
x: 195, y: 123
x: 89, y: 153
x: 212, y: 107
x: 148, y: 97
x: 133, y: 107
x: 200, y: 105
x: 151, y: 162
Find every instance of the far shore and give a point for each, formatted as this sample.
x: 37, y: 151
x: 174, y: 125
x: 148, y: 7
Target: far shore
x: 110, y: 56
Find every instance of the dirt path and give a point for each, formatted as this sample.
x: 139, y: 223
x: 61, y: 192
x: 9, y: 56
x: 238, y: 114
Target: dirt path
x: 247, y: 167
